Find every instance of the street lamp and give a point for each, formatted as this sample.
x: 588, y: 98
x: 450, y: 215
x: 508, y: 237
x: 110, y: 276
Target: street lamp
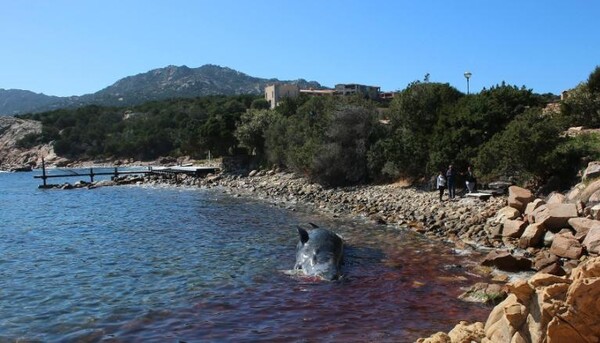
x: 468, y: 76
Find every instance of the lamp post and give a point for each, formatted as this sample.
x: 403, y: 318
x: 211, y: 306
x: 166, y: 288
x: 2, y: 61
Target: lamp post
x: 468, y: 76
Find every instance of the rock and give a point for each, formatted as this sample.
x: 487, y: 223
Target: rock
x: 549, y: 308
x: 103, y: 183
x: 253, y: 173
x: 486, y: 293
x: 531, y: 207
x: 548, y: 263
x: 595, y: 197
x: 582, y: 226
x: 575, y: 192
x: 504, y: 260
x: 567, y: 246
x: 578, y: 320
x: 438, y: 337
x: 592, y: 241
x: 519, y: 197
x: 555, y: 216
x: 465, y: 332
x: 532, y: 236
x: 587, y: 192
x: 592, y: 171
x: 555, y: 198
x: 497, y: 327
x: 506, y: 213
x: 548, y: 238
x: 595, y: 211
x: 12, y: 130
x: 513, y: 228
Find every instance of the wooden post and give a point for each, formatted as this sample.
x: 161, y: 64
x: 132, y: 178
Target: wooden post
x: 116, y: 174
x: 92, y: 175
x: 44, y: 171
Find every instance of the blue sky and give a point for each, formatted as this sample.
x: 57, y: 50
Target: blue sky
x: 60, y: 47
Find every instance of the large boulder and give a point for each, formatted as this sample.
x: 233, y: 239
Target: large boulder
x: 592, y: 241
x: 592, y: 171
x: 579, y: 323
x: 582, y: 226
x: 505, y: 213
x: 595, y: 197
x: 531, y: 207
x: 555, y: 216
x: 532, y: 236
x: 595, y: 211
x: 544, y: 309
x: 587, y: 192
x: 556, y: 198
x: 519, y: 197
x: 567, y: 246
x: 549, y: 308
x: 545, y: 262
x: 513, y: 228
x: 504, y: 260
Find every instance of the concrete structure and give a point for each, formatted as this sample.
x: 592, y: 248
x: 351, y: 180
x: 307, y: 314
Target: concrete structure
x: 318, y: 92
x: 372, y: 92
x: 276, y: 92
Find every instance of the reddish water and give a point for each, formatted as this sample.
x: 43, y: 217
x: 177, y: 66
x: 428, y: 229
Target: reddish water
x: 130, y: 264
x: 398, y: 287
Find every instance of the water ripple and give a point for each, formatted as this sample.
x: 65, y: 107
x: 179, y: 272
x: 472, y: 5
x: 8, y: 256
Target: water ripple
x: 137, y: 264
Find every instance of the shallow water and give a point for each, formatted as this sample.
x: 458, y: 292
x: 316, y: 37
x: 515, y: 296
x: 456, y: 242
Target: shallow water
x: 140, y: 264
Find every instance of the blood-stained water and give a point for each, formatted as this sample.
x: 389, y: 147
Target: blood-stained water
x: 135, y: 264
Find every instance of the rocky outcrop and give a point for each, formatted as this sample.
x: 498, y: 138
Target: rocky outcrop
x: 548, y: 308
x: 463, y: 332
x: 12, y: 157
x: 545, y: 308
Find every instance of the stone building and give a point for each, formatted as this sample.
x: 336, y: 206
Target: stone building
x: 276, y: 92
x: 372, y: 92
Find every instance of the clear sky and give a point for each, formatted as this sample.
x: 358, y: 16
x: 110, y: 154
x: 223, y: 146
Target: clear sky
x: 74, y: 47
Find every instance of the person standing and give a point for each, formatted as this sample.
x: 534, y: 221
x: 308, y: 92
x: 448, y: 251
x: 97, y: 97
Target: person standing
x: 470, y: 180
x: 450, y: 178
x: 441, y: 183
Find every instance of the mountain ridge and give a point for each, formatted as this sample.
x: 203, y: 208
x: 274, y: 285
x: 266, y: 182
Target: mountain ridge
x: 156, y: 84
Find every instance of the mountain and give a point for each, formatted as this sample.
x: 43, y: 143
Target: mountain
x: 14, y: 101
x: 157, y: 84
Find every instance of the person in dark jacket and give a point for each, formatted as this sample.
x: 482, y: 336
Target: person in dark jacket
x: 470, y: 180
x: 450, y: 179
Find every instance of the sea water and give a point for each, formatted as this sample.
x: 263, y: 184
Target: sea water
x: 166, y: 264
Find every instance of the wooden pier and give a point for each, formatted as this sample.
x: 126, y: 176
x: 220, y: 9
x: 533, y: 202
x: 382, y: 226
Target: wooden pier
x: 115, y: 173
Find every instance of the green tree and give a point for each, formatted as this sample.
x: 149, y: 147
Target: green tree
x: 251, y: 128
x: 414, y: 113
x: 593, y: 81
x: 581, y: 107
x: 342, y: 157
x: 524, y: 150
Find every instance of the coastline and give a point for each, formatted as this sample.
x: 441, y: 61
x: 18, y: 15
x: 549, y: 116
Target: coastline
x: 467, y: 223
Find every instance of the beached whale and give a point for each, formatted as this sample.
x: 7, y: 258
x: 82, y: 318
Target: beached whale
x: 319, y: 253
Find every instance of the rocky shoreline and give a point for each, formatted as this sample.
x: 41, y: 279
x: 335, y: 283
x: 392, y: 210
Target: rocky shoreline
x: 558, y: 237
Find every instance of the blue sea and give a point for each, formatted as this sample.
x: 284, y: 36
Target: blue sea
x: 175, y: 264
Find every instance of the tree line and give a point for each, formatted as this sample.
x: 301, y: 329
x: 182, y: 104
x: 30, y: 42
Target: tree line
x: 503, y: 131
